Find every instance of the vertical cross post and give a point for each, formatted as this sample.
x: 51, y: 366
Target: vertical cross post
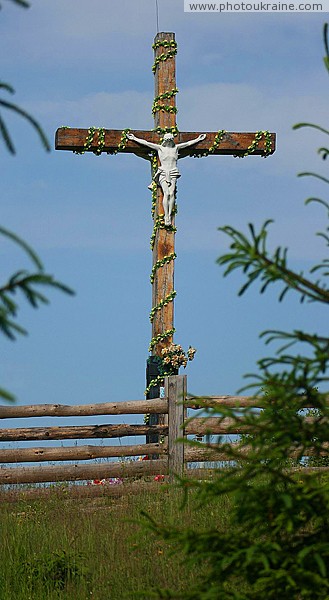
x: 163, y: 237
x: 164, y: 246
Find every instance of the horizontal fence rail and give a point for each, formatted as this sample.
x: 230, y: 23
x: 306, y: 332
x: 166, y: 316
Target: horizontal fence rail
x: 133, y: 407
x: 82, y: 472
x: 78, y: 453
x: 79, y: 432
x: 170, y: 457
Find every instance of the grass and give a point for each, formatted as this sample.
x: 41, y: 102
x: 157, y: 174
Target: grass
x: 59, y: 546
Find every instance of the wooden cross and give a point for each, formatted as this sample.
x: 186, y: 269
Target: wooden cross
x: 112, y: 141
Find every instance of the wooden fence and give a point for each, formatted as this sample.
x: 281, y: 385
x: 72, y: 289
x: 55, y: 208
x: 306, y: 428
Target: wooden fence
x: 171, y: 457
x: 168, y: 458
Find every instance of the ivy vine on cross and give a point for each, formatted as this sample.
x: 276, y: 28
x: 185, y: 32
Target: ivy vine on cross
x: 112, y: 141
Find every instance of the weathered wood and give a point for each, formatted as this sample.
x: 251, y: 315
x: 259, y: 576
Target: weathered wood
x: 176, y: 388
x: 163, y: 284
x: 219, y: 452
x: 79, y: 432
x: 204, y: 452
x: 200, y: 402
x: 211, y: 452
x: 232, y: 142
x: 87, y: 452
x: 132, y: 407
x: 217, y: 426
x: 214, y: 426
x: 82, y: 472
x: 153, y: 406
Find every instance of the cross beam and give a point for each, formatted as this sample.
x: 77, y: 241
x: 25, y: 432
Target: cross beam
x: 231, y: 143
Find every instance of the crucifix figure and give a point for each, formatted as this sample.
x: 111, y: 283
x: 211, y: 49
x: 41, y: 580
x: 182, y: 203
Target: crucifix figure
x: 167, y: 173
x: 163, y: 155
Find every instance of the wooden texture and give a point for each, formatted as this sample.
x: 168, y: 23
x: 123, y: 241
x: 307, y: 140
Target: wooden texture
x: 87, y: 452
x: 202, y: 452
x: 198, y: 402
x: 218, y: 452
x: 209, y: 452
x: 133, y: 407
x: 217, y: 426
x: 214, y: 426
x: 176, y: 389
x: 232, y: 142
x: 174, y: 455
x: 79, y: 432
x: 82, y: 472
x: 163, y: 284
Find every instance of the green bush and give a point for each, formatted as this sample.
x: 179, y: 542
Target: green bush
x: 276, y: 543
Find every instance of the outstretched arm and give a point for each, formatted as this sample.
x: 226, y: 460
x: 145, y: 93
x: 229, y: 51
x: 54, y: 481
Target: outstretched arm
x: 131, y: 136
x: 192, y: 142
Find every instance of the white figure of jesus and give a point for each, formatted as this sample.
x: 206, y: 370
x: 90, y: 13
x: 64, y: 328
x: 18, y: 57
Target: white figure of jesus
x: 167, y: 173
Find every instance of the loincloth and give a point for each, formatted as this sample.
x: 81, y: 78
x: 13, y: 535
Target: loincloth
x: 169, y: 176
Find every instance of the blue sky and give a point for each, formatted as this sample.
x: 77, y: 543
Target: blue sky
x: 84, y: 63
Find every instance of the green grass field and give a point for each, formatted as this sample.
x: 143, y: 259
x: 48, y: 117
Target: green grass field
x: 61, y: 546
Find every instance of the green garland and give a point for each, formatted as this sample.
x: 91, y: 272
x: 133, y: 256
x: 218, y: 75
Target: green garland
x: 159, y: 263
x: 160, y: 224
x: 218, y: 138
x: 123, y: 141
x: 166, y: 95
x: 157, y: 106
x: 162, y: 130
x: 156, y: 381
x: 171, y: 46
x: 90, y: 138
x: 162, y: 58
x: 161, y: 337
x: 254, y: 145
x: 164, y: 302
x: 165, y: 44
x: 101, y: 141
x: 164, y: 107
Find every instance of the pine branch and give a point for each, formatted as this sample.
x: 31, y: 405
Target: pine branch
x: 22, y: 3
x: 252, y: 257
x: 27, y: 249
x: 25, y: 283
x: 318, y: 127
x: 22, y: 113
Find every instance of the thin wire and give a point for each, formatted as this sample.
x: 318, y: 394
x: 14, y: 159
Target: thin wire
x: 157, y: 14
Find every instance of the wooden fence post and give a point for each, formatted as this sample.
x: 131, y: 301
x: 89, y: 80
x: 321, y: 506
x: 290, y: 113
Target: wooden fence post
x: 175, y: 390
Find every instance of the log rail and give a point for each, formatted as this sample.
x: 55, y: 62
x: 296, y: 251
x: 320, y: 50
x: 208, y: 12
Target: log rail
x: 172, y: 457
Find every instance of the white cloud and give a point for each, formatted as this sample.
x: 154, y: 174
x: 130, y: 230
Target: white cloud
x: 103, y: 109
x: 242, y: 107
